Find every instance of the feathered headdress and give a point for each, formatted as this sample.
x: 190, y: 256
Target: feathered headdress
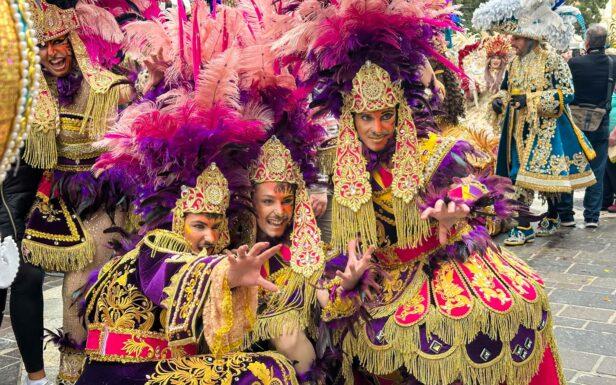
x: 497, y: 45
x: 340, y: 39
x: 159, y: 150
x: 535, y: 19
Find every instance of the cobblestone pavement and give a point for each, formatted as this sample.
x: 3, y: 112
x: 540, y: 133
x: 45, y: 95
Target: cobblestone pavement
x: 579, y: 266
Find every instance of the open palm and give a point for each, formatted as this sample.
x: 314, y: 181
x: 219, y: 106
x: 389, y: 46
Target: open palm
x: 356, y: 266
x: 245, y: 266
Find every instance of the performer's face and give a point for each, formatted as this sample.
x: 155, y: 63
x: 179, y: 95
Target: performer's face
x: 274, y: 203
x: 57, y: 56
x: 202, y: 231
x: 376, y: 128
x: 496, y: 62
x: 521, y: 45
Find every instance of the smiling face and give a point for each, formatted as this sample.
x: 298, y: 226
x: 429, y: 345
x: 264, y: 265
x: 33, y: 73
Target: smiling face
x: 203, y: 231
x: 57, y: 56
x: 496, y: 62
x: 274, y: 203
x: 375, y: 128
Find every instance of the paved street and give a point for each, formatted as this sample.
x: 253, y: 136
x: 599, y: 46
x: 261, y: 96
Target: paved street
x: 579, y: 267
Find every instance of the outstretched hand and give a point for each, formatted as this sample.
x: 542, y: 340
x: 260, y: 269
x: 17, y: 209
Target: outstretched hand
x: 155, y: 65
x: 245, y: 266
x: 357, y: 264
x: 447, y: 215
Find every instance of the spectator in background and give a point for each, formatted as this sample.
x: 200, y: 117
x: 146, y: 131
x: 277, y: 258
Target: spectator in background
x: 609, y: 182
x: 590, y: 78
x: 26, y: 304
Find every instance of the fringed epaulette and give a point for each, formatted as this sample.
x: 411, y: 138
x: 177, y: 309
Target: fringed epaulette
x: 165, y: 242
x: 326, y: 156
x: 41, y: 150
x: 103, y: 98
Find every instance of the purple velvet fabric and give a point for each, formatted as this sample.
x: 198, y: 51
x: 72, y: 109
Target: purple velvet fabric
x: 154, y: 274
x: 112, y: 373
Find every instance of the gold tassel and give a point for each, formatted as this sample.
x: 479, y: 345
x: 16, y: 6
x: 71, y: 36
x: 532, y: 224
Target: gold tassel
x: 326, y: 159
x: 98, y: 110
x: 55, y: 258
x: 278, y: 319
x: 410, y: 228
x: 377, y: 360
x: 41, y: 149
x: 350, y: 224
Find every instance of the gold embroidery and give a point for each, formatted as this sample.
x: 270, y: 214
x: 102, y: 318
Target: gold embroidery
x: 210, y: 370
x: 451, y: 293
x: 122, y: 304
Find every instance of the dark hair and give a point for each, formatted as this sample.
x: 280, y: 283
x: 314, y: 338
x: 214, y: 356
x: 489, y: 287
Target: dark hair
x: 596, y: 36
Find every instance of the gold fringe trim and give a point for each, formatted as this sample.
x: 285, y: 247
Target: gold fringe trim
x: 280, y: 320
x: 41, y: 150
x: 379, y: 360
x: 349, y: 224
x: 167, y: 242
x: 326, y: 160
x: 58, y: 258
x: 448, y: 367
x: 410, y: 228
x: 98, y: 111
x: 276, y: 326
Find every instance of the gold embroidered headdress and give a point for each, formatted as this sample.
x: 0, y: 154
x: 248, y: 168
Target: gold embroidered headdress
x: 353, y: 211
x: 210, y: 195
x: 52, y: 22
x: 275, y: 164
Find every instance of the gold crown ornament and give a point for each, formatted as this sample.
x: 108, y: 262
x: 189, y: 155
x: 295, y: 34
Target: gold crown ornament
x: 275, y: 164
x: 353, y: 211
x: 51, y: 21
x: 209, y: 195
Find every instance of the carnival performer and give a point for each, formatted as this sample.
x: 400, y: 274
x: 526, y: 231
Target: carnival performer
x: 486, y: 60
x: 541, y: 150
x: 280, y: 177
x: 450, y: 306
x: 284, y: 217
x: 65, y: 229
x: 498, y: 55
x: 265, y: 92
x: 178, y: 301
